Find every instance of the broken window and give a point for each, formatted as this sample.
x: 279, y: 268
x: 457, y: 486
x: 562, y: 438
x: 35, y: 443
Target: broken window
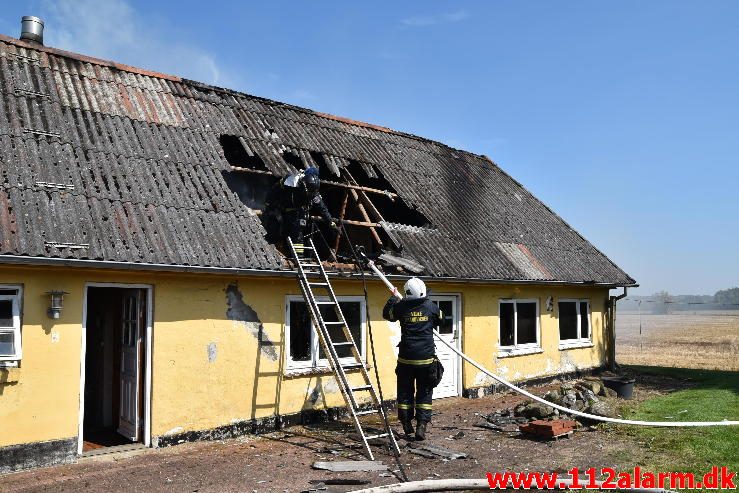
x: 304, y: 348
x: 574, y: 322
x: 519, y: 324
x: 10, y: 327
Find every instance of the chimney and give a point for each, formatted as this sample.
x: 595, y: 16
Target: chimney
x: 32, y: 29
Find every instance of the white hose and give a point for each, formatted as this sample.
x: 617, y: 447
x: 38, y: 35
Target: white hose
x: 471, y: 484
x: 551, y: 404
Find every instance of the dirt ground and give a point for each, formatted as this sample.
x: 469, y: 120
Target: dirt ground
x: 281, y: 461
x: 699, y: 339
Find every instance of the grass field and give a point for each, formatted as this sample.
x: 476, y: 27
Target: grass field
x: 709, y: 396
x: 708, y: 340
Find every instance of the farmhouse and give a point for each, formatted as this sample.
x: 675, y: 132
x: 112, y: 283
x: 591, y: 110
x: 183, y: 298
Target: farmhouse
x: 141, y: 299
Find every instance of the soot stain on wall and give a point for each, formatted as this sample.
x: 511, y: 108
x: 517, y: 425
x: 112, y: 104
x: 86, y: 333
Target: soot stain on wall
x: 238, y: 311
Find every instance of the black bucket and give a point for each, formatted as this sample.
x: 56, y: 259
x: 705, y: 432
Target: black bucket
x: 624, y: 386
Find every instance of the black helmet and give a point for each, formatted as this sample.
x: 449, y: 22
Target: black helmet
x: 312, y: 184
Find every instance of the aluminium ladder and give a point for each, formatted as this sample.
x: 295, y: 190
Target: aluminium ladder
x: 308, y: 262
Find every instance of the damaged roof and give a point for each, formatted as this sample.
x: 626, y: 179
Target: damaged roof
x: 102, y: 161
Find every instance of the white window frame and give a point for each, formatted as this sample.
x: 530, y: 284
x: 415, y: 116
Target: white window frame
x: 314, y: 362
x: 10, y: 361
x: 579, y: 341
x: 517, y: 349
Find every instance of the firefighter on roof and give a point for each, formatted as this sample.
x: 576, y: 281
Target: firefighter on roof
x: 294, y: 198
x: 417, y: 367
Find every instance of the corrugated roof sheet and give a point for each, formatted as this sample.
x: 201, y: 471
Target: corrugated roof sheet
x: 108, y: 162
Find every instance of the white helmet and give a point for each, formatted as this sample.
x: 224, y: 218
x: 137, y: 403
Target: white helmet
x: 414, y: 289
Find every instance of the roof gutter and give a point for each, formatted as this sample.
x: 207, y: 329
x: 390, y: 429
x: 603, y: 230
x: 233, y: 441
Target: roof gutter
x: 196, y: 269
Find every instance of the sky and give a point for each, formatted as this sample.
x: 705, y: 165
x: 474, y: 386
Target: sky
x: 622, y: 116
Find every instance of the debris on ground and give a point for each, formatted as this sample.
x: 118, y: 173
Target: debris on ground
x: 434, y: 451
x: 350, y: 466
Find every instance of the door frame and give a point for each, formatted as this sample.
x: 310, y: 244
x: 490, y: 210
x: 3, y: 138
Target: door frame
x: 460, y: 320
x: 147, y: 357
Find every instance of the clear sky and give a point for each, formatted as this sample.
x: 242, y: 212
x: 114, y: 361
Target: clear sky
x: 622, y: 116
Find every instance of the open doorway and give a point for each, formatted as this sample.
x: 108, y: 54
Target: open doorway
x: 114, y: 367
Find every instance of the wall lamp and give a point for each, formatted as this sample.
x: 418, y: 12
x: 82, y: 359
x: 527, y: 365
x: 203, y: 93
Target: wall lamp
x: 57, y: 301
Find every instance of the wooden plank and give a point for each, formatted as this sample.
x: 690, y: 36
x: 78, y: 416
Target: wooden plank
x: 366, y: 217
x: 351, y: 466
x: 386, y: 193
x: 342, y: 214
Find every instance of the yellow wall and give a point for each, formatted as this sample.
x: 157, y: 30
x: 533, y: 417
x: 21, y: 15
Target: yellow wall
x: 194, y: 389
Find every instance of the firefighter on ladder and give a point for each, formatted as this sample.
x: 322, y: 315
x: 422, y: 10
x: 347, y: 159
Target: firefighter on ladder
x: 293, y: 199
x: 416, y: 369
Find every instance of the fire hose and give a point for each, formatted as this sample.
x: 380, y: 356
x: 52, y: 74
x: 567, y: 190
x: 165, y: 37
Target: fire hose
x: 513, y: 387
x: 473, y: 485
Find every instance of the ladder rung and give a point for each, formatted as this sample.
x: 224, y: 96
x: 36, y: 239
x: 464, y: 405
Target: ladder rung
x: 310, y: 265
x: 372, y: 437
x: 342, y: 343
x: 362, y: 388
x: 318, y: 284
x: 334, y: 323
x: 368, y: 411
x: 299, y: 248
x: 325, y: 303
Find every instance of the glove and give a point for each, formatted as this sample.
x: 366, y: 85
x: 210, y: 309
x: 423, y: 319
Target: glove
x: 335, y: 223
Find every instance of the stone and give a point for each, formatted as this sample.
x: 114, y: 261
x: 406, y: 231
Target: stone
x: 589, y: 396
x: 608, y: 392
x: 603, y: 408
x: 594, y: 386
x: 569, y: 400
x: 537, y: 411
x: 553, y: 396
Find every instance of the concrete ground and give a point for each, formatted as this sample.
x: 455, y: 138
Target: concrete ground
x: 281, y: 461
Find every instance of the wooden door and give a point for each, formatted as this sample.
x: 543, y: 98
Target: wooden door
x: 129, y: 418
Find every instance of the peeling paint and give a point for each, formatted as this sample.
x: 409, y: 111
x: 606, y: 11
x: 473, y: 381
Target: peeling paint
x: 212, y: 352
x: 174, y: 430
x: 483, y: 379
x: 54, y: 336
x: 394, y: 329
x: 243, y: 314
x: 330, y: 385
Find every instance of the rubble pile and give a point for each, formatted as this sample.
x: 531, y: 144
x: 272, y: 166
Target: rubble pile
x: 589, y: 396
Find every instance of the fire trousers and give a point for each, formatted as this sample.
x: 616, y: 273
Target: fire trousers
x: 415, y: 389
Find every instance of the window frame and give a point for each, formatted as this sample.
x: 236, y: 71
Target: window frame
x: 516, y: 348
x: 12, y: 361
x: 579, y: 341
x: 316, y: 363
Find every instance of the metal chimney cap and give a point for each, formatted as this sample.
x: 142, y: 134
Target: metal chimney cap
x: 32, y: 29
x: 32, y: 18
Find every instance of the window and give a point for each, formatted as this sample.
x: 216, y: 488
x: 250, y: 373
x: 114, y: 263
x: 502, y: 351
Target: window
x: 304, y: 347
x: 574, y: 322
x: 519, y: 325
x: 10, y: 326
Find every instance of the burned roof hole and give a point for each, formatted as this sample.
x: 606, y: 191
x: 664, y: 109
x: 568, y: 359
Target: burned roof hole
x: 293, y: 160
x: 237, y: 153
x: 251, y: 189
x: 391, y: 206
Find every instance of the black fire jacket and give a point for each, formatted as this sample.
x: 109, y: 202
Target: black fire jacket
x: 418, y: 319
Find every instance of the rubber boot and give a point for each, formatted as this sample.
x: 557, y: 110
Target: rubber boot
x: 421, y: 431
x: 407, y: 427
